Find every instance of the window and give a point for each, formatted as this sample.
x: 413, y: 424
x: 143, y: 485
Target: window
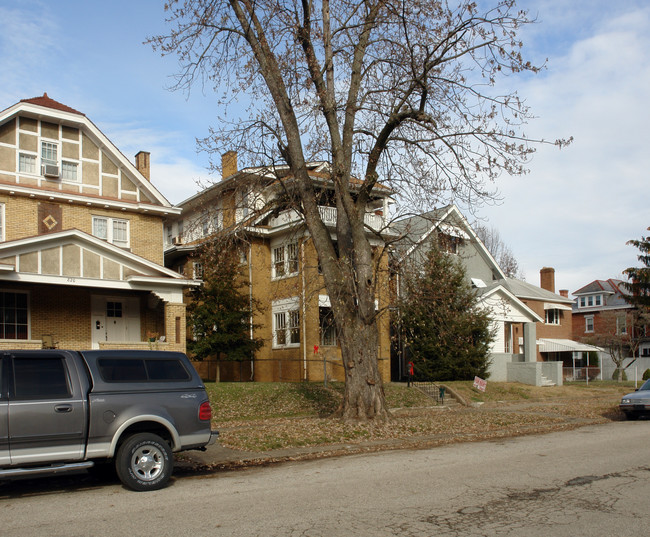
x: 449, y: 243
x: 49, y: 153
x: 583, y: 302
x: 590, y: 301
x: 621, y: 327
x: 553, y: 316
x: 114, y: 310
x: 27, y: 163
x: 40, y: 378
x: 69, y: 171
x: 327, y: 327
x: 14, y: 315
x: 137, y: 370
x: 285, y: 260
x: 278, y: 262
x: 589, y: 323
x: 113, y: 230
x: 286, y: 323
x: 197, y: 271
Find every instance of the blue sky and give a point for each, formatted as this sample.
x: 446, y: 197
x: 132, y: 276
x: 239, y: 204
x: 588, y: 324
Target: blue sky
x: 574, y: 211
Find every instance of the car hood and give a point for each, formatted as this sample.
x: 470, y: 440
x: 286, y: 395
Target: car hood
x: 641, y: 395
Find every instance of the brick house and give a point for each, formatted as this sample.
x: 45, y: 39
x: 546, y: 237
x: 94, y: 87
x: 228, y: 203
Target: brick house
x: 81, y: 232
x: 279, y: 260
x: 601, y: 312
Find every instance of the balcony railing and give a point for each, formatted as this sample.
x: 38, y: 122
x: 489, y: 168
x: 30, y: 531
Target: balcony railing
x: 329, y: 216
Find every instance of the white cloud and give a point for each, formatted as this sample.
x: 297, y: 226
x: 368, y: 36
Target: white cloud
x: 578, y: 207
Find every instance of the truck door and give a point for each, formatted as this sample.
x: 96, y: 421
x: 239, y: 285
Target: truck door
x: 4, y: 434
x: 46, y: 409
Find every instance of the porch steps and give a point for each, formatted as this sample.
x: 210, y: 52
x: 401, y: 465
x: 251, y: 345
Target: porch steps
x: 432, y: 390
x: 547, y: 382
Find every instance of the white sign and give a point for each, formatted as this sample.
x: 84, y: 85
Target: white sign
x: 480, y: 384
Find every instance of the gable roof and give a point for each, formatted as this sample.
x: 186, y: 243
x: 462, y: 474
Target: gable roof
x: 48, y: 109
x: 72, y: 257
x: 504, y: 305
x: 417, y: 229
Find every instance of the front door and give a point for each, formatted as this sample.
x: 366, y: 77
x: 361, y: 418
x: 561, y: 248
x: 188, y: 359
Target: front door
x: 115, y: 319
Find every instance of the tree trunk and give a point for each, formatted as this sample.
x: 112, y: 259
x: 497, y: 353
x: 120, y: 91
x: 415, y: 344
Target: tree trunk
x: 364, y: 392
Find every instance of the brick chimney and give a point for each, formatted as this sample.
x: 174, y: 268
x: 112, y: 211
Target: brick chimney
x: 547, y: 279
x: 228, y: 164
x: 564, y: 293
x: 143, y: 163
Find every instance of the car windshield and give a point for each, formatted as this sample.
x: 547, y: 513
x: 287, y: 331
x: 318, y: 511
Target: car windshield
x: 646, y: 385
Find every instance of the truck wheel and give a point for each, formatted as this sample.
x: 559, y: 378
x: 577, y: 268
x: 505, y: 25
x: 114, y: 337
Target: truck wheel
x: 144, y: 462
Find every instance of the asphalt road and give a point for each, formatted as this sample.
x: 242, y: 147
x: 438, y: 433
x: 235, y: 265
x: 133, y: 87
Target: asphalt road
x: 591, y: 481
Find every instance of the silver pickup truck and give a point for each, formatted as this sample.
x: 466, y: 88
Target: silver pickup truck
x: 65, y: 410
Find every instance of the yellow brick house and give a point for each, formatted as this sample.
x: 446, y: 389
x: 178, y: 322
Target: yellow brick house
x: 279, y: 260
x: 81, y: 238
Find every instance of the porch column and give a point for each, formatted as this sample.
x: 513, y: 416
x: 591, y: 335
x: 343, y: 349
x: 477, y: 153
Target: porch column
x: 530, y: 342
x: 175, y: 326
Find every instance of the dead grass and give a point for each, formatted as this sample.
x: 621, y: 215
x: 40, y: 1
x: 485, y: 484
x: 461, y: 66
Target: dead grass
x: 261, y: 417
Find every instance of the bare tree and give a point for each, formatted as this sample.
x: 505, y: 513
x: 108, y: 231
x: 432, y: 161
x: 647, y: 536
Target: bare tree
x: 501, y: 252
x: 401, y: 91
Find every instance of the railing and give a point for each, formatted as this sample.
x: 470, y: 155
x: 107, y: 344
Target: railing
x: 581, y: 374
x: 329, y: 216
x: 433, y: 390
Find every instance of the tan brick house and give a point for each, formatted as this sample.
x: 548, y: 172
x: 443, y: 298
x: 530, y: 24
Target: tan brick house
x: 81, y: 238
x: 279, y: 260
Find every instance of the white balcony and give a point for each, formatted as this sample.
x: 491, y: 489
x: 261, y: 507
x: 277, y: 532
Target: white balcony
x: 329, y: 216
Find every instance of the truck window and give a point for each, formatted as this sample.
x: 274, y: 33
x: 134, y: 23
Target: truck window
x: 166, y: 370
x: 40, y: 378
x: 147, y: 370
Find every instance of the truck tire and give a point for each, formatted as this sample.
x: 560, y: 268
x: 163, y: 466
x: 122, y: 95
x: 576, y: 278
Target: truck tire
x: 144, y: 462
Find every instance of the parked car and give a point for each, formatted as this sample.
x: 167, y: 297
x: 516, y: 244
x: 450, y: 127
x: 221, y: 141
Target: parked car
x: 64, y: 410
x: 637, y: 404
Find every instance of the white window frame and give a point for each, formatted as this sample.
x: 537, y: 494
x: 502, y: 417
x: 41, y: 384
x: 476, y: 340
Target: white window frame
x: 553, y: 319
x: 33, y: 158
x: 285, y: 260
x: 583, y: 301
x: 112, y: 230
x: 50, y: 146
x: 589, y: 324
x: 67, y: 166
x: 197, y: 270
x: 621, y: 325
x: 285, y: 315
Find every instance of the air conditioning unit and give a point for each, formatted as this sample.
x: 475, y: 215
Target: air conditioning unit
x: 176, y: 241
x: 50, y: 170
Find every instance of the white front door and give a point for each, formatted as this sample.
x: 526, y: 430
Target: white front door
x: 115, y: 319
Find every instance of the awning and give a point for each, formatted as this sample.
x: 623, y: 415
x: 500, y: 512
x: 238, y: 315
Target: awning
x: 556, y: 306
x: 564, y: 345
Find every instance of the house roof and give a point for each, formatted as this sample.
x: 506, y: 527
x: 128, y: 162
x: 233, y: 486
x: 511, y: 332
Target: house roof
x: 417, y: 229
x: 525, y: 290
x: 75, y: 258
x: 48, y: 109
x: 47, y: 102
x: 614, y: 294
x: 505, y: 305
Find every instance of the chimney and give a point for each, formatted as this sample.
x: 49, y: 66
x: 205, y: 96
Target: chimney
x: 564, y: 293
x: 228, y: 164
x: 142, y: 163
x: 547, y: 279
